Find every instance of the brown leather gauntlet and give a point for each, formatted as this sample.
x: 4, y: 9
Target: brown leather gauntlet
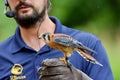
x: 54, y: 69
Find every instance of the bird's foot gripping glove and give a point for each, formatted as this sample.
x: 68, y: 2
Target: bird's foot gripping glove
x: 54, y: 69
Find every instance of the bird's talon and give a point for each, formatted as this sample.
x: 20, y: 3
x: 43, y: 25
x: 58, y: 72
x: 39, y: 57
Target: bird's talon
x: 63, y: 59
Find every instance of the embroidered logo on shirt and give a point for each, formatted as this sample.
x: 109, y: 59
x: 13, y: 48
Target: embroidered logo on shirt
x: 17, y: 71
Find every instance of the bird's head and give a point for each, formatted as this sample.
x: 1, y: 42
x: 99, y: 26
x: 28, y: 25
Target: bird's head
x: 45, y: 37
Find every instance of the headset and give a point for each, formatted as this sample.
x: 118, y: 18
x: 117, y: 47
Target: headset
x: 10, y: 13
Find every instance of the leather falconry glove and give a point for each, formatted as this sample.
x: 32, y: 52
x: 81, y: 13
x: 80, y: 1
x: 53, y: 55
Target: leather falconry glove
x: 54, y: 69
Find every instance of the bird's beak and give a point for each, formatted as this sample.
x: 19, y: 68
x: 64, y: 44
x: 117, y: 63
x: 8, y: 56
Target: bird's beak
x: 40, y: 37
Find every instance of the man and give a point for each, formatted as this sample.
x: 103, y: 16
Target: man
x: 24, y: 57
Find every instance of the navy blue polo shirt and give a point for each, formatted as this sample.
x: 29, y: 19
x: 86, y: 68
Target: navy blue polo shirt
x: 19, y: 61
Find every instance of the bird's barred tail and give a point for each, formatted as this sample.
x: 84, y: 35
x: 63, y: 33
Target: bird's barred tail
x: 88, y: 57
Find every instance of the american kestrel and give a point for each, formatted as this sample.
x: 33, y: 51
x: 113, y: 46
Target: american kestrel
x: 66, y: 44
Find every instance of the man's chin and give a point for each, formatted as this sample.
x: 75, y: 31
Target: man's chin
x: 27, y: 20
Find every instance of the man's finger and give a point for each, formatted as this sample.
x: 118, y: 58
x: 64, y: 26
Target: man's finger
x: 54, y: 70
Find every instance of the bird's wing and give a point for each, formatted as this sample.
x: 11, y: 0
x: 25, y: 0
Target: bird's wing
x: 65, y: 40
x: 81, y: 46
x: 69, y: 41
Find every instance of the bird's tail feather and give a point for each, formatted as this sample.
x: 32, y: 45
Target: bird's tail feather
x: 88, y: 57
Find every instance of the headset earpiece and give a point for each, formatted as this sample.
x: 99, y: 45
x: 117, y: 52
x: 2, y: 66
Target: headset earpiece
x: 10, y: 13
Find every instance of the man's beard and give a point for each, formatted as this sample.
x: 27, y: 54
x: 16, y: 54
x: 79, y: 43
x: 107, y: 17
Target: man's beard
x: 28, y: 21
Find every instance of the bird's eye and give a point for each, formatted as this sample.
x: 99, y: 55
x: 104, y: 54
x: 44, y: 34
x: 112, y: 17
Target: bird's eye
x: 46, y: 37
x: 43, y: 35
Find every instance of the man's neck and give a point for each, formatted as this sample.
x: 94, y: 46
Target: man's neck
x: 30, y: 35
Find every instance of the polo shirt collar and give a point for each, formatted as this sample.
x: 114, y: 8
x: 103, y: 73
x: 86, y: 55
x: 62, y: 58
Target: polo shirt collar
x: 18, y: 43
x: 58, y: 28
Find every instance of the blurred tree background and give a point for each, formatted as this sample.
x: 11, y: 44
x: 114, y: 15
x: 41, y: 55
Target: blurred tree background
x: 100, y: 17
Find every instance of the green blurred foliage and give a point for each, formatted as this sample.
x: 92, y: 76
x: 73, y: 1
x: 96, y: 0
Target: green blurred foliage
x: 103, y: 13
x: 100, y: 17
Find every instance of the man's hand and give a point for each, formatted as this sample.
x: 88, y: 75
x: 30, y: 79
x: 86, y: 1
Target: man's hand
x: 54, y: 69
